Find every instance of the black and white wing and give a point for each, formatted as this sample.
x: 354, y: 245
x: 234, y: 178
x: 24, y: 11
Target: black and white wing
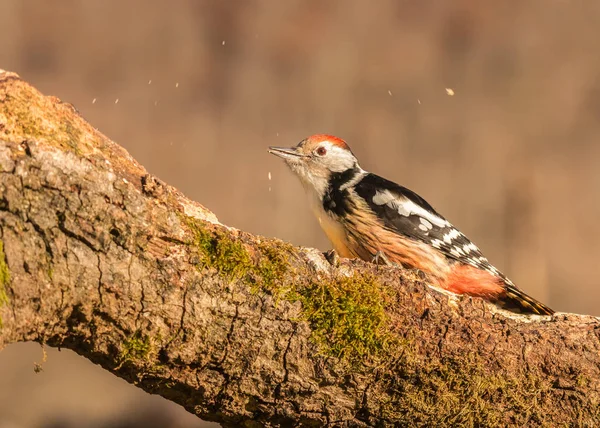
x: 405, y: 212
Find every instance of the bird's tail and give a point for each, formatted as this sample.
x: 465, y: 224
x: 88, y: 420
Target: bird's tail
x: 493, y: 287
x: 517, y: 301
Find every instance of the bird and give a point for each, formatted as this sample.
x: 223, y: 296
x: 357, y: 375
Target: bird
x: 368, y: 217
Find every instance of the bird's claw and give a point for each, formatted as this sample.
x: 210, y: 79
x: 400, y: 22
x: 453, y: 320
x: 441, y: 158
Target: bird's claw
x: 332, y: 257
x: 381, y: 259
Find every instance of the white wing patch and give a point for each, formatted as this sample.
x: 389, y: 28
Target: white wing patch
x: 384, y: 197
x: 425, y: 224
x: 436, y: 243
x: 406, y: 207
x: 452, y: 235
x: 455, y: 252
x: 437, y: 231
x: 470, y: 247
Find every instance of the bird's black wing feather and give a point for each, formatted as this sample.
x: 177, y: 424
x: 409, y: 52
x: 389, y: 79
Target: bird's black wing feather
x: 403, y: 211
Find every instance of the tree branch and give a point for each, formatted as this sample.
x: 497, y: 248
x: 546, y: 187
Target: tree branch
x: 98, y: 256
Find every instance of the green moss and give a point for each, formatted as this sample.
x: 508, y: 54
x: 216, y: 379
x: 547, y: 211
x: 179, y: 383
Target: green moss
x: 460, y: 391
x: 346, y: 314
x: 4, y: 276
x: 218, y: 251
x: 136, y: 347
x: 273, y: 266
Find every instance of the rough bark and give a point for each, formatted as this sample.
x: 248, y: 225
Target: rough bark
x: 98, y: 256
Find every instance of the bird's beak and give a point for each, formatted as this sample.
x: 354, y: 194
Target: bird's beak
x: 286, y: 153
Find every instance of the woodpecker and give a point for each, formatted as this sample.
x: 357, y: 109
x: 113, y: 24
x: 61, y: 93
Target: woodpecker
x: 368, y: 217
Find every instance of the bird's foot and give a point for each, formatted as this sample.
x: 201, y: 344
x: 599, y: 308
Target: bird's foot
x: 332, y: 257
x: 381, y: 259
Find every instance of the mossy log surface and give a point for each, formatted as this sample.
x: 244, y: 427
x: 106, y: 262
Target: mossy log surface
x: 98, y: 256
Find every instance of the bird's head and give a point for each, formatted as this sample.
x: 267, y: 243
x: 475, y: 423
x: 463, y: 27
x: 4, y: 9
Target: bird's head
x: 316, y: 159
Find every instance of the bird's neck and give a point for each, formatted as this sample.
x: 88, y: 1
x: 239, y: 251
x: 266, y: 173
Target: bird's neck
x: 335, y: 198
x: 344, y: 180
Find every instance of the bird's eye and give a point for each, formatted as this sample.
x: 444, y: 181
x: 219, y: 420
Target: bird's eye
x: 321, y: 151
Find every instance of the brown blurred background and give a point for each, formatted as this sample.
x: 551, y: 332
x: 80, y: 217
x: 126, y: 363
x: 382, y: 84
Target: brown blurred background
x: 196, y: 91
